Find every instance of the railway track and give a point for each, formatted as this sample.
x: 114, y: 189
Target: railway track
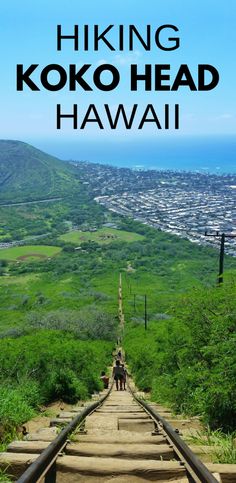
x: 118, y: 438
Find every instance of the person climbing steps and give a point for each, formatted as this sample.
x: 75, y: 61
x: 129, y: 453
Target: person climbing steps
x: 118, y: 374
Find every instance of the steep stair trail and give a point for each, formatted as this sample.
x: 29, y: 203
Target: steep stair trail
x: 118, y: 442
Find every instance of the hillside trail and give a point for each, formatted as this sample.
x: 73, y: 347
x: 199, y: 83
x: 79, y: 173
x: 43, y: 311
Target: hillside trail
x: 120, y: 446
x: 118, y: 443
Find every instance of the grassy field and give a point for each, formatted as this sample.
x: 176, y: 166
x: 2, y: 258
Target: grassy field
x: 103, y: 235
x: 29, y: 253
x: 163, y: 268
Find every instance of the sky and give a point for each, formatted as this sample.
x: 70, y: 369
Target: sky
x: 28, y: 35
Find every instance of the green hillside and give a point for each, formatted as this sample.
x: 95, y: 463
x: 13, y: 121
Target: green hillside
x: 59, y: 314
x: 28, y: 174
x: 40, y: 195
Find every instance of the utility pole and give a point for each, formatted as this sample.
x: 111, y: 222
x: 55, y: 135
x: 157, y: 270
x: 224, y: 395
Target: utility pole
x: 145, y: 311
x: 134, y: 302
x: 222, y: 237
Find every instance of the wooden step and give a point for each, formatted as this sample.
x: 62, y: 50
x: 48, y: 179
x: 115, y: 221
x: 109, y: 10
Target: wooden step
x: 113, y: 403
x: 60, y: 421
x: 63, y: 478
x: 125, y: 438
x: 78, y: 409
x: 136, y: 425
x: 131, y: 451
x: 116, y: 407
x: 45, y: 434
x: 128, y: 451
x: 67, y: 414
x: 127, y: 415
x: 161, y: 410
x: 151, y: 469
x: 31, y: 447
x: 119, y: 410
x: 227, y: 472
x: 16, y: 463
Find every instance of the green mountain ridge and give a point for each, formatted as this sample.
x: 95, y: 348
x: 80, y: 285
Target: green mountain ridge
x: 28, y: 174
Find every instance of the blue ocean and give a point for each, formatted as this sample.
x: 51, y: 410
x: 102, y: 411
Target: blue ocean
x: 216, y: 154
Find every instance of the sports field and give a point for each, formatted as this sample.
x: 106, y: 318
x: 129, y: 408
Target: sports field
x: 29, y: 252
x: 103, y: 235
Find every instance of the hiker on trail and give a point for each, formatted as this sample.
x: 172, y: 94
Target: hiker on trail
x: 124, y: 375
x: 118, y: 374
x: 119, y: 355
x: 105, y: 380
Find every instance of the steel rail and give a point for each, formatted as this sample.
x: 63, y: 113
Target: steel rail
x: 42, y: 465
x: 46, y: 460
x: 197, y: 470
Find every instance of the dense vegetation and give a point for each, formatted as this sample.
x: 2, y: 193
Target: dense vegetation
x: 76, y: 292
x: 189, y: 359
x: 37, y: 221
x: 161, y: 266
x: 43, y: 367
x: 29, y: 174
x: 59, y: 313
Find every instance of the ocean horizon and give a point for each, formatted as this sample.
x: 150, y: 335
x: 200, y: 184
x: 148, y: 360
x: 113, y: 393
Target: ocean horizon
x: 215, y: 154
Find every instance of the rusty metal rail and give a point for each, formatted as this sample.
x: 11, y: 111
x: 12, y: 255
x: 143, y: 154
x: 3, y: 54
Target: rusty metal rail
x: 44, y: 465
x: 196, y: 470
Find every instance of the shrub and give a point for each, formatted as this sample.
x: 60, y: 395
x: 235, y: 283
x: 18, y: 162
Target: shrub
x: 87, y: 324
x: 63, y: 384
x: 14, y: 408
x: 189, y: 361
x: 44, y: 367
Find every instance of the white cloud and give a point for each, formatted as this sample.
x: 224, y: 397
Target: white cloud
x: 223, y: 117
x: 126, y: 59
x: 122, y: 59
x: 102, y: 62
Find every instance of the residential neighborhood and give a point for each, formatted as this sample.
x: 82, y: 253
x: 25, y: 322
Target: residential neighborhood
x: 182, y: 203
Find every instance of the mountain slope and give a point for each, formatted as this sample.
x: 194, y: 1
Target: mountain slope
x: 27, y: 174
